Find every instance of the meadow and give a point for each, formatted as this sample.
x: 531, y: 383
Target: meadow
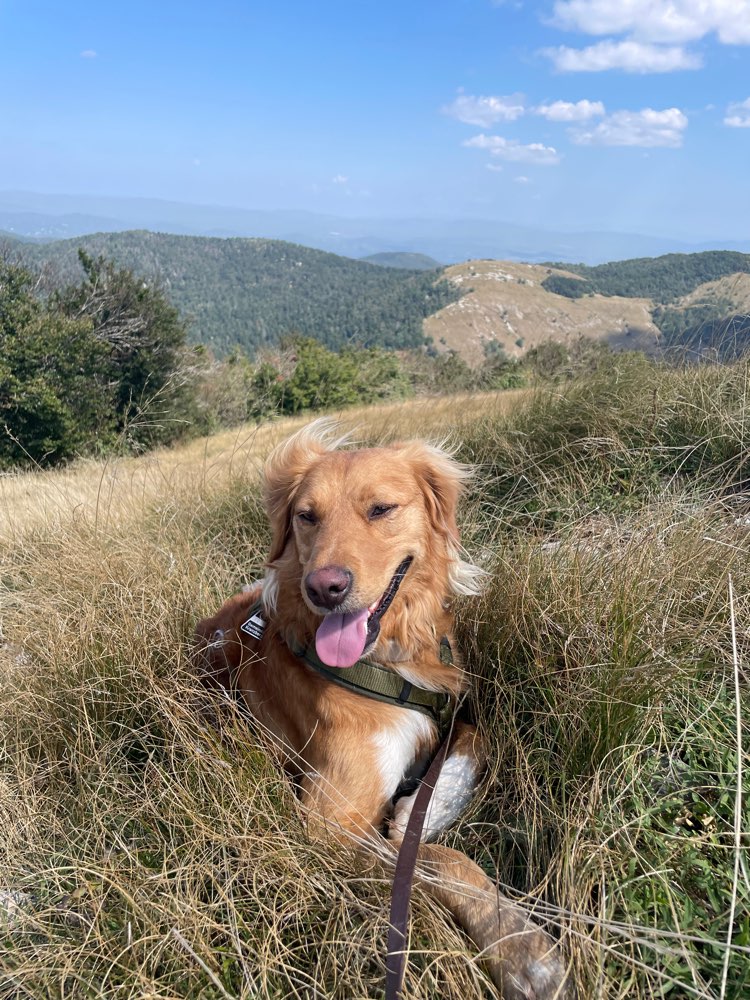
x: 151, y: 848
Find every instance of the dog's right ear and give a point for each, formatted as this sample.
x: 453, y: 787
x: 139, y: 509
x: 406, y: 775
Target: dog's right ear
x: 285, y: 469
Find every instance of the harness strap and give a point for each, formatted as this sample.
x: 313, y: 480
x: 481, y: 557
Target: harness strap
x: 368, y: 678
x: 372, y: 680
x: 403, y: 876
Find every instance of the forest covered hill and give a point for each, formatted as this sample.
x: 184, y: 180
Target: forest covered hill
x: 252, y: 292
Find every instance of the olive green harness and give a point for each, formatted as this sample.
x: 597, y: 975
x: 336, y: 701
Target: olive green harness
x: 369, y: 678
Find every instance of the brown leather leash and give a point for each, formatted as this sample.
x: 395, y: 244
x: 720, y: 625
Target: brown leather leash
x: 403, y: 876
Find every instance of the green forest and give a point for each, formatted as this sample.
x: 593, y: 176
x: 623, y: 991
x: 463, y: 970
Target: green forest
x: 662, y: 279
x: 249, y: 293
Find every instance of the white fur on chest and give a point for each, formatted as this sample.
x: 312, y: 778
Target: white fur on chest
x: 453, y: 792
x: 396, y: 747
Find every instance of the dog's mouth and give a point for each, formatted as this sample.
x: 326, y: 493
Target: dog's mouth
x: 342, y: 638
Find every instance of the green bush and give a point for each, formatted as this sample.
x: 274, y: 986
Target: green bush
x: 306, y: 375
x: 145, y: 340
x: 55, y: 395
x: 571, y: 288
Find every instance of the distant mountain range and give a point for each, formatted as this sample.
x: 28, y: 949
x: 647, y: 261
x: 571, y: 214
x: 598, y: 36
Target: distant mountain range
x: 49, y: 217
x: 406, y: 261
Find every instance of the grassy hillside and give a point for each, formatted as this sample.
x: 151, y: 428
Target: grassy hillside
x: 253, y: 292
x: 690, y: 302
x: 507, y: 305
x: 151, y: 848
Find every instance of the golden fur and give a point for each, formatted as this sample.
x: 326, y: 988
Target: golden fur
x: 364, y: 511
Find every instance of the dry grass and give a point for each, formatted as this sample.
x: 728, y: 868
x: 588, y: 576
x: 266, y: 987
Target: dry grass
x: 155, y: 849
x: 116, y: 487
x: 505, y: 303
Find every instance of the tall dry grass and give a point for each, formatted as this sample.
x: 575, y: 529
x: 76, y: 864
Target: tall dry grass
x: 151, y: 847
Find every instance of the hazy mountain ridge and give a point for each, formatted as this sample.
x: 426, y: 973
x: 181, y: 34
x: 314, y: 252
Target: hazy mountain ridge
x: 446, y: 239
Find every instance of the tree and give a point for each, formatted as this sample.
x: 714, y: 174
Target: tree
x: 144, y: 339
x: 55, y: 394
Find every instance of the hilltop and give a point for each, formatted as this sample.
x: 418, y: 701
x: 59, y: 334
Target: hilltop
x: 506, y: 304
x: 698, y: 301
x: 409, y: 261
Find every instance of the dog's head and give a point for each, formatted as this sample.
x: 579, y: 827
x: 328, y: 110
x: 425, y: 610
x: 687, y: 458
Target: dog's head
x: 363, y: 539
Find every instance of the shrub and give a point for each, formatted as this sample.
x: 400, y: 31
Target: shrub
x: 55, y: 396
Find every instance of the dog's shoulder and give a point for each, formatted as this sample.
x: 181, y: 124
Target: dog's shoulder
x: 218, y: 640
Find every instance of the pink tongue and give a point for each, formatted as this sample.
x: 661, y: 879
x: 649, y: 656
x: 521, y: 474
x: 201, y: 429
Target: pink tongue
x: 341, y: 638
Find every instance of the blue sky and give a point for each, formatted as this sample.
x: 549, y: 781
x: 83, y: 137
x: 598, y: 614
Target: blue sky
x: 629, y: 115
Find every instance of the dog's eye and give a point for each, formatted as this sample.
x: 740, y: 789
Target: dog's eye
x: 380, y: 510
x: 308, y: 516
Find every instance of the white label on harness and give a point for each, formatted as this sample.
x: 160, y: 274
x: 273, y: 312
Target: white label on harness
x: 255, y: 626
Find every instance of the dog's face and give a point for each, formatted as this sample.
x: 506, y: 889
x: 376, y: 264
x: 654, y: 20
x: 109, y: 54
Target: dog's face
x: 358, y: 531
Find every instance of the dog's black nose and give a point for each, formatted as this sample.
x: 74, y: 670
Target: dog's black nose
x: 328, y: 587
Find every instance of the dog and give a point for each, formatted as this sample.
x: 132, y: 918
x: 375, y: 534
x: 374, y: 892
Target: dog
x: 343, y: 654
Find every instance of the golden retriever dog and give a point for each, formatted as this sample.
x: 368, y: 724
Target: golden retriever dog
x: 364, y: 560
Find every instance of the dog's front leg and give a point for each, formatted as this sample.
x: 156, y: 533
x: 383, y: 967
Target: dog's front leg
x: 342, y: 805
x: 454, y: 788
x: 524, y: 961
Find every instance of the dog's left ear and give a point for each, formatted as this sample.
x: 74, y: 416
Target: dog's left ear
x: 442, y: 480
x: 284, y: 471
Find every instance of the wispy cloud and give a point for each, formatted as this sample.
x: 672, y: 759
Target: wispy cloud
x: 738, y: 114
x: 630, y: 56
x: 565, y: 111
x: 89, y: 54
x: 513, y: 151
x: 340, y: 179
x: 646, y: 128
x: 485, y: 111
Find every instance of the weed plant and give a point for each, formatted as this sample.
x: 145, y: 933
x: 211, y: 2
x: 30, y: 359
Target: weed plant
x: 150, y: 846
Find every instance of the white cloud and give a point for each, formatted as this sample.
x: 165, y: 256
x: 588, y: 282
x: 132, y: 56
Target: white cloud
x: 522, y: 180
x: 515, y: 152
x: 565, y: 111
x: 647, y: 128
x: 664, y: 21
x: 631, y: 56
x: 88, y: 54
x: 340, y: 179
x: 485, y: 111
x: 738, y: 114
x: 495, y: 167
